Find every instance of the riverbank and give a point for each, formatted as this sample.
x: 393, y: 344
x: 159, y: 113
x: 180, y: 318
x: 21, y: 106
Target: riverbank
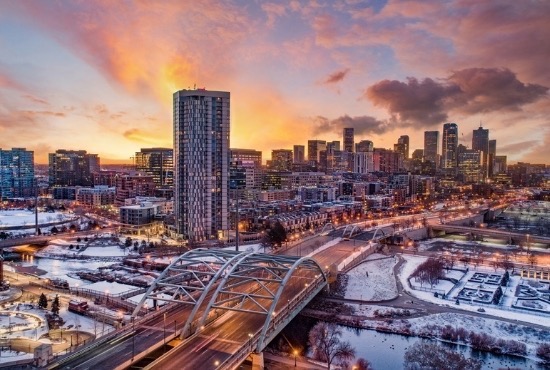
x: 481, y: 334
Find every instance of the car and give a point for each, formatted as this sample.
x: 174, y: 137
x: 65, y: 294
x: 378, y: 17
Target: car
x: 481, y: 309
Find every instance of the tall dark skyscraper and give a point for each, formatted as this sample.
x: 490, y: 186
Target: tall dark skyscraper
x: 491, y: 157
x: 314, y: 148
x: 16, y: 173
x: 299, y: 153
x: 349, y: 138
x: 431, y: 146
x: 364, y: 146
x: 201, y: 156
x: 402, y: 146
x: 449, y: 146
x: 157, y: 162
x: 480, y: 141
x: 72, y: 168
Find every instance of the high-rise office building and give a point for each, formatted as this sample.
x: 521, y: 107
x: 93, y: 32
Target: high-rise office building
x: 333, y: 145
x: 16, y: 173
x: 402, y: 146
x: 449, y: 147
x: 364, y: 146
x: 157, y: 162
x: 201, y: 156
x: 480, y: 141
x: 246, y: 156
x: 299, y: 153
x: 470, y: 165
x: 314, y: 148
x: 281, y: 159
x: 491, y: 157
x: 431, y: 146
x: 72, y: 168
x: 348, y: 139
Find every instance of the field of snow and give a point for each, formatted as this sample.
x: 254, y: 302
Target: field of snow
x: 61, y: 269
x: 109, y: 288
x: 104, y: 251
x: 503, y: 311
x: 378, y: 285
x: 25, y: 217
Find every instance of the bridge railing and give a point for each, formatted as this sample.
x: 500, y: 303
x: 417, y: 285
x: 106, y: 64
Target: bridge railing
x: 293, y: 306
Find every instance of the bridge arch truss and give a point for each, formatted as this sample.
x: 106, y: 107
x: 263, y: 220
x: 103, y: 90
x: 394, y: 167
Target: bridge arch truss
x: 227, y: 280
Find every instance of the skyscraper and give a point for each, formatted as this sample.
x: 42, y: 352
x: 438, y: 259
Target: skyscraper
x: 314, y: 148
x: 402, y: 146
x: 72, y: 168
x: 201, y: 155
x: 449, y: 147
x: 491, y: 157
x: 480, y: 141
x: 281, y: 159
x: 348, y: 139
x: 299, y: 153
x: 364, y: 146
x: 431, y: 146
x: 157, y: 162
x: 16, y: 173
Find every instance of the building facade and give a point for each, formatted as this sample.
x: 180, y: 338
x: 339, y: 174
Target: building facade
x: 299, y: 153
x: 158, y: 163
x: 246, y: 156
x: 402, y: 146
x: 349, y: 139
x: 16, y: 173
x: 449, y: 147
x: 480, y: 142
x: 431, y: 146
x: 201, y: 155
x: 72, y: 168
x: 314, y: 148
x: 281, y: 159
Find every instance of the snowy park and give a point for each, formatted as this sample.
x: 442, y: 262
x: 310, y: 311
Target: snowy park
x: 372, y: 280
x: 10, y: 219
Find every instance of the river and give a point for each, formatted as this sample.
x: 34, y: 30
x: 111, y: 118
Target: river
x: 387, y: 351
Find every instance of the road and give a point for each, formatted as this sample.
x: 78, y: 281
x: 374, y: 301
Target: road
x: 225, y: 336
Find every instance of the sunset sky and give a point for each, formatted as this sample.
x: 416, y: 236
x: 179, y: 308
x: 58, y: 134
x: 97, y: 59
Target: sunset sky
x: 99, y: 75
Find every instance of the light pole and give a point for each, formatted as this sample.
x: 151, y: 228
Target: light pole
x: 164, y: 327
x: 133, y: 339
x: 295, y: 357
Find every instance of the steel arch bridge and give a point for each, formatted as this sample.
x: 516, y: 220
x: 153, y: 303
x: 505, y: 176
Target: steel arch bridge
x: 214, y: 279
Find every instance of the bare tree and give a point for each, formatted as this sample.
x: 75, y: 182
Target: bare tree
x: 426, y: 355
x: 324, y: 339
x: 532, y: 259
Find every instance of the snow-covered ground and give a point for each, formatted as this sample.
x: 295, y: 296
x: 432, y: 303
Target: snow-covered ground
x: 375, y: 311
x: 104, y: 251
x: 109, y: 288
x: 503, y: 310
x: 25, y: 217
x: 378, y: 285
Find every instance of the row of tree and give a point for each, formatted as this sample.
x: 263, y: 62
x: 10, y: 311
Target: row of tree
x: 43, y: 303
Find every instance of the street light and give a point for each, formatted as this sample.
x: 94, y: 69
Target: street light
x: 295, y: 356
x: 164, y: 328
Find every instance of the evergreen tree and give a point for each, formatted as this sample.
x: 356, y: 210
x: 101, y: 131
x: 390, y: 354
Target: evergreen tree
x: 55, y: 305
x: 43, y: 301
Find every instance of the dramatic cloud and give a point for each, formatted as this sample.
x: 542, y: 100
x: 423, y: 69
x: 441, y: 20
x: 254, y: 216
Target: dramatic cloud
x: 363, y: 125
x: 413, y: 102
x: 470, y: 91
x: 491, y: 89
x: 336, y: 77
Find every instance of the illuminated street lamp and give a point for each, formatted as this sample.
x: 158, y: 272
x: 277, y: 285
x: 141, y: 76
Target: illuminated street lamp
x: 295, y: 356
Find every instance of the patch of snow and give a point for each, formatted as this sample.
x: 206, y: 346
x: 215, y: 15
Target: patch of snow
x: 378, y: 285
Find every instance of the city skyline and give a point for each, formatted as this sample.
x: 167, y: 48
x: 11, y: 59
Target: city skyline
x: 74, y: 75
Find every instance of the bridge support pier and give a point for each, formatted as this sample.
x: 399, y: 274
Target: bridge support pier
x: 257, y: 361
